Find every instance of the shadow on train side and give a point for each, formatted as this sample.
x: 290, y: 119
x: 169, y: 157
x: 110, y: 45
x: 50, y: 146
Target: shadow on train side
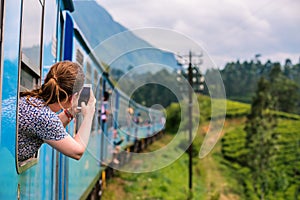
x: 36, y: 34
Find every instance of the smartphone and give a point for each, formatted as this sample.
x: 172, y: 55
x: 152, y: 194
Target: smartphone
x: 84, y: 95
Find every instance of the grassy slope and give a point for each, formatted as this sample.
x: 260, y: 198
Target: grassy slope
x: 162, y: 184
x: 211, y: 178
x: 220, y: 182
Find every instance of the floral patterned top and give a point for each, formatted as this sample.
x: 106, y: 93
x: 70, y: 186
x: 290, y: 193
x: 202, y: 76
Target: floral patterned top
x: 37, y: 122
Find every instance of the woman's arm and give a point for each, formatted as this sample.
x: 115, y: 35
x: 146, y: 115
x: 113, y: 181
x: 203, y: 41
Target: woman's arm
x: 75, y: 147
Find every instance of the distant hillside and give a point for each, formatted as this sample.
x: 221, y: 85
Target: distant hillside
x: 240, y: 79
x: 240, y: 82
x: 113, y: 43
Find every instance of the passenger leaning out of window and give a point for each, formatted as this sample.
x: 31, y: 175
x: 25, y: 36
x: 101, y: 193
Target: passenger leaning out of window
x: 38, y: 119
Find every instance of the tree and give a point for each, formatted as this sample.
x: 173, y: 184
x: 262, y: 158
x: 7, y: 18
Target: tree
x: 240, y: 81
x: 284, y: 90
x: 261, y: 139
x: 153, y: 92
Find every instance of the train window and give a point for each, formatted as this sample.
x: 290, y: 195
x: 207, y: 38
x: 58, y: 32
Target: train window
x: 28, y: 79
x: 88, y: 74
x: 31, y: 51
x: 95, y: 85
x: 79, y: 57
x: 95, y: 78
x: 31, y: 34
x: 79, y: 118
x: 98, y: 94
x: 109, y: 120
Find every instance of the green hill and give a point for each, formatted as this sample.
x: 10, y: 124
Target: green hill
x: 286, y: 162
x: 220, y: 174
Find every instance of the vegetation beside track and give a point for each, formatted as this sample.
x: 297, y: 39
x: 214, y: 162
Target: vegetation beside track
x: 218, y: 175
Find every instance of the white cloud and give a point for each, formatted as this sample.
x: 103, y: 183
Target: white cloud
x: 226, y: 28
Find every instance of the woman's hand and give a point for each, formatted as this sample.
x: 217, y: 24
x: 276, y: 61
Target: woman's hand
x: 89, y: 109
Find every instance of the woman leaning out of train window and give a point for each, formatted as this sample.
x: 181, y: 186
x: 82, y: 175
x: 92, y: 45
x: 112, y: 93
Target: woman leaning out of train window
x: 38, y: 119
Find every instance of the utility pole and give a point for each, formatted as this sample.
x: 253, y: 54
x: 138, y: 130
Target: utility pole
x: 190, y: 149
x: 195, y: 80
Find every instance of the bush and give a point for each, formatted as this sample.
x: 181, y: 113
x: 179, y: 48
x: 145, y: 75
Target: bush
x: 173, y: 118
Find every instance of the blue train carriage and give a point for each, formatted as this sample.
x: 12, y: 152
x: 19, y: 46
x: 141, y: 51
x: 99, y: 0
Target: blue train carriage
x: 137, y: 124
x: 84, y: 175
x: 34, y: 33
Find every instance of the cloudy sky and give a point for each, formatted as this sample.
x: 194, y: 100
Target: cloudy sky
x: 227, y: 29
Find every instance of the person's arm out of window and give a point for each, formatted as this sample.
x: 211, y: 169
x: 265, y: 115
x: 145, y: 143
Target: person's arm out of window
x: 75, y: 147
x: 68, y: 146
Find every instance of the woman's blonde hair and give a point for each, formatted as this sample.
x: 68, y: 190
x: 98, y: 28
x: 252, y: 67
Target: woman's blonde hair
x: 64, y: 79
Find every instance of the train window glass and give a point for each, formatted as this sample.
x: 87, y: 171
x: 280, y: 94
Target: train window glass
x: 28, y: 79
x: 30, y: 68
x: 95, y: 78
x: 98, y: 94
x: 88, y: 73
x: 79, y: 57
x: 31, y: 34
x: 95, y: 85
x: 109, y: 121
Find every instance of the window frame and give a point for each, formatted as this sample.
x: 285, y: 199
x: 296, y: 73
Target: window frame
x: 36, y: 71
x: 1, y: 55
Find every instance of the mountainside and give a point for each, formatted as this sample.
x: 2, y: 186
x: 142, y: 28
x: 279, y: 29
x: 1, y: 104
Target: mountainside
x: 113, y: 43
